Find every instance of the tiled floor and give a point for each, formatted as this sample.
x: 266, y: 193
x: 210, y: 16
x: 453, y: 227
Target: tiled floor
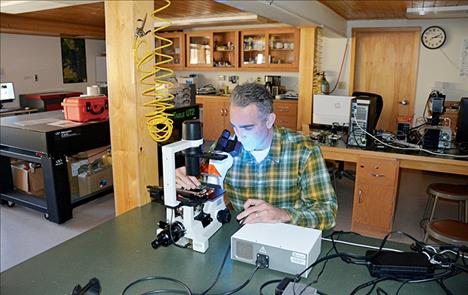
x: 25, y: 233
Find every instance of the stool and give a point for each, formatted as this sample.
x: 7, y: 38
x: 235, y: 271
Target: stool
x: 448, y: 231
x: 449, y: 192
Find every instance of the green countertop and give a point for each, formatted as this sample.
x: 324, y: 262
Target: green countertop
x: 119, y: 252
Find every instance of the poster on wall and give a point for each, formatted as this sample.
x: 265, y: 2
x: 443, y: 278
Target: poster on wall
x: 73, y: 60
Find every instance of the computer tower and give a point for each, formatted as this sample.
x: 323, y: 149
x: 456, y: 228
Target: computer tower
x: 358, y: 123
x: 462, y: 127
x: 363, y: 120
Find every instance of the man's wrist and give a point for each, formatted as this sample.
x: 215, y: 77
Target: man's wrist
x: 285, y: 218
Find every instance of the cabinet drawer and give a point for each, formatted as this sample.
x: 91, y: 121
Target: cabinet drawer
x: 286, y: 121
x: 286, y: 109
x: 377, y: 171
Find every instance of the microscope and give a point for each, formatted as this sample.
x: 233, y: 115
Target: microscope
x: 193, y: 216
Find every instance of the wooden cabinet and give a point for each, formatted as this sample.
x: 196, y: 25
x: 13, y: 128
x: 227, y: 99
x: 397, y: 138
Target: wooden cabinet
x: 283, y: 48
x: 216, y: 115
x: 375, y: 196
x: 176, y: 49
x: 254, y: 49
x: 286, y: 113
x: 199, y: 49
x: 225, y: 49
x: 270, y: 48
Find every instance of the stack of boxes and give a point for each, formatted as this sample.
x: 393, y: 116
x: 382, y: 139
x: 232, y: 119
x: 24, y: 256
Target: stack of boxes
x: 90, y: 171
x: 28, y: 177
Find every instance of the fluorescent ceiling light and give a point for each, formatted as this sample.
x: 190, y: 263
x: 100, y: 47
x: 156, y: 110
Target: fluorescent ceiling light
x: 212, y: 19
x: 438, y: 11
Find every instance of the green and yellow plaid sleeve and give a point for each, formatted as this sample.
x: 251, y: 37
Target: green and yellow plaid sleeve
x: 317, y: 206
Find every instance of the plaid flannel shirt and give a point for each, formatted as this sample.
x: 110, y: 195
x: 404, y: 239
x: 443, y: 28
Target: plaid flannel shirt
x: 292, y: 177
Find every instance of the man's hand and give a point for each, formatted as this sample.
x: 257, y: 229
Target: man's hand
x: 185, y: 181
x: 260, y: 211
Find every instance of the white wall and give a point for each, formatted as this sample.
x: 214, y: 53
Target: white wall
x: 288, y: 79
x: 23, y: 56
x: 440, y: 65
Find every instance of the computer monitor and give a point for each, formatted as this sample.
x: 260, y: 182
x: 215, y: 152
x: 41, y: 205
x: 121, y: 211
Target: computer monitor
x: 329, y: 109
x: 7, y: 93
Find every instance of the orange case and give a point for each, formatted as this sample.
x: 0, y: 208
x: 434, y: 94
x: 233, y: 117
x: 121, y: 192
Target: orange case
x: 84, y: 109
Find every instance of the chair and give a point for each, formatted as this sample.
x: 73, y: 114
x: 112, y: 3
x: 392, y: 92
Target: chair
x: 449, y: 231
x: 377, y: 102
x: 437, y: 228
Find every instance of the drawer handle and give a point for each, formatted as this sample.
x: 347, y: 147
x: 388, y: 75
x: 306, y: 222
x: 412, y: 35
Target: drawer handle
x: 377, y: 175
x: 283, y: 109
x: 360, y: 196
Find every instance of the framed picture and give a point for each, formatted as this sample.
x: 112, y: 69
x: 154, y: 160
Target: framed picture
x: 73, y: 60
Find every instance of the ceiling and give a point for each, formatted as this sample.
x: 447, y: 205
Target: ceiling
x: 90, y: 17
x: 388, y: 9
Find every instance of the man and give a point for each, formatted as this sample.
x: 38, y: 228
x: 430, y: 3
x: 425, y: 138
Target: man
x: 279, y: 175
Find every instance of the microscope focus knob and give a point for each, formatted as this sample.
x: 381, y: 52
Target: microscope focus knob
x: 224, y: 216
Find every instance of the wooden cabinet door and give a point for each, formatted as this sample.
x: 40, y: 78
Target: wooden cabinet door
x: 215, y: 116
x: 374, y: 196
x: 283, y: 48
x: 176, y: 50
x: 253, y: 46
x: 199, y: 49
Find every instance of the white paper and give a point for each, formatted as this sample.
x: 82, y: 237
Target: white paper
x: 65, y: 123
x: 35, y: 122
x: 464, y: 59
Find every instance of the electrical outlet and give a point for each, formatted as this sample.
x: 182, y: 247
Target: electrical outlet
x: 36, y: 78
x: 341, y: 85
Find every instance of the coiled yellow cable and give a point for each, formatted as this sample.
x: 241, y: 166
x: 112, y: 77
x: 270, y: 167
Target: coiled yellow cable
x: 158, y: 121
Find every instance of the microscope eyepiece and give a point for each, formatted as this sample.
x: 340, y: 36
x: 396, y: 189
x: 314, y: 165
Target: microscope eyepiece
x: 192, y: 130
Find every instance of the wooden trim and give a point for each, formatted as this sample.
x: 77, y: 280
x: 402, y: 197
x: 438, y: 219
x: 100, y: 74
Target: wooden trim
x: 134, y: 155
x: 425, y: 163
x: 352, y: 64
x: 306, y: 75
x: 387, y: 29
x: 16, y: 24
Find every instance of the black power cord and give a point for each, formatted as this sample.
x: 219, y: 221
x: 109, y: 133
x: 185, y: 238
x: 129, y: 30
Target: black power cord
x: 152, y: 278
x: 445, y: 259
x: 219, y: 271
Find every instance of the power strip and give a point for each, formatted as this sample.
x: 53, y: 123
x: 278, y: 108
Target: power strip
x: 405, y: 265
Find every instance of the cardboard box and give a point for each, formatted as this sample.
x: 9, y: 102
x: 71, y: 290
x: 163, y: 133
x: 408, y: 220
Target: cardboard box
x: 27, y: 178
x: 95, y: 181
x: 80, y: 164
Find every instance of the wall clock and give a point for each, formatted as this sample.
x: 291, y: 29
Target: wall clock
x: 433, y: 37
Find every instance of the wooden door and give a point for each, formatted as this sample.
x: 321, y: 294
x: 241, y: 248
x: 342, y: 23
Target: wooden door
x: 384, y: 61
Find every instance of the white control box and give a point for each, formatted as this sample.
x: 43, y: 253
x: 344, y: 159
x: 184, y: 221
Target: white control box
x: 290, y: 248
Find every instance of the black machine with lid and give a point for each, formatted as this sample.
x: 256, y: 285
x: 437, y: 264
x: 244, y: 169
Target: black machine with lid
x: 272, y: 84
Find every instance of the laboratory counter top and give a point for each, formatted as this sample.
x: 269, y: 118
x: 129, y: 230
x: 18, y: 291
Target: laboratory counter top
x: 119, y: 252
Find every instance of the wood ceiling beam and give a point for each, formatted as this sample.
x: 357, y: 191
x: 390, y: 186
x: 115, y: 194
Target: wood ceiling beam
x: 15, y: 24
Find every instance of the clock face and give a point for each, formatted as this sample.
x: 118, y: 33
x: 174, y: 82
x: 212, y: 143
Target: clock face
x: 433, y: 37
